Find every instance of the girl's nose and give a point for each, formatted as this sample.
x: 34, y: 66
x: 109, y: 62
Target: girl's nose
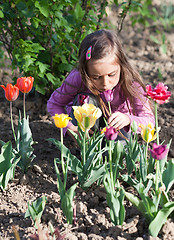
x: 105, y: 80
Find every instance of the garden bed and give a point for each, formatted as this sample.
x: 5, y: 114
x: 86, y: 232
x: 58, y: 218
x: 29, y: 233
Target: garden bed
x: 93, y: 219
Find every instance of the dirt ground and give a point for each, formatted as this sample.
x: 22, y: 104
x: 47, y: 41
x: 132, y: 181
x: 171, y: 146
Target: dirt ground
x: 93, y: 220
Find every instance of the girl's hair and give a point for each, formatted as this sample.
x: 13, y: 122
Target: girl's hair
x: 104, y: 43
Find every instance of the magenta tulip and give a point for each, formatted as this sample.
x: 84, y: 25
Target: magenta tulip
x: 159, y: 93
x: 159, y: 152
x: 107, y: 96
x: 110, y: 133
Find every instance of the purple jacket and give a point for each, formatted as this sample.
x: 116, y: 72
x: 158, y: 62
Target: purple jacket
x: 61, y: 100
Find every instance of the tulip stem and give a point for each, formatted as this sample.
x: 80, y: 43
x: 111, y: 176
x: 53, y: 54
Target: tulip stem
x: 84, y: 148
x: 110, y: 164
x: 146, y: 151
x: 110, y: 111
x: 24, y: 106
x: 156, y: 123
x: 157, y: 172
x: 62, y: 160
x: 12, y: 126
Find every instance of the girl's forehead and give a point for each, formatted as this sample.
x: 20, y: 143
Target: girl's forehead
x: 111, y: 58
x: 103, y: 66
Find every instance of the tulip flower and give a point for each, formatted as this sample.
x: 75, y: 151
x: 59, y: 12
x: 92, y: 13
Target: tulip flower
x: 61, y: 120
x: 159, y: 152
x: 86, y: 115
x: 25, y: 84
x: 107, y: 96
x: 159, y: 93
x: 110, y: 133
x: 11, y: 92
x: 147, y: 132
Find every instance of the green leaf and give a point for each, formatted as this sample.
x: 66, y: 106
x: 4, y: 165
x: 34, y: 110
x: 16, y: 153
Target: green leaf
x: 78, y: 12
x: 1, y: 14
x: 67, y: 203
x: 163, y: 161
x: 36, y: 209
x: 24, y: 144
x: 143, y: 164
x: 51, y: 78
x: 43, y: 9
x: 95, y: 174
x: 60, y: 185
x: 74, y: 163
x: 168, y: 175
x: 42, y: 67
x: 161, y: 217
x: 154, y: 39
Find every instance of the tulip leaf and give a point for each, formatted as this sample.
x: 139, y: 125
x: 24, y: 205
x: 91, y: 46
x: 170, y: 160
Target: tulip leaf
x: 60, y: 185
x: 36, y: 209
x: 67, y: 203
x: 161, y: 217
x: 91, y: 161
x: 8, y: 162
x: 163, y: 161
x: 115, y: 200
x: 74, y: 163
x: 143, y: 164
x: 24, y: 144
x: 168, y: 175
x: 95, y: 174
x: 92, y: 147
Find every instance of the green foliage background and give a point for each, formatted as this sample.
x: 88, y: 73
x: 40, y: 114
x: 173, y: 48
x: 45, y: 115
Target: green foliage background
x: 42, y: 37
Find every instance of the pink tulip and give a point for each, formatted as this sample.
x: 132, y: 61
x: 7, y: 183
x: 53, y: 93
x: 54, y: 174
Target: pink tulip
x: 159, y: 93
x: 110, y: 133
x: 107, y: 96
x: 159, y: 152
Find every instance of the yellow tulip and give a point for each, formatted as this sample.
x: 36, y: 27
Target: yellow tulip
x: 147, y: 132
x: 61, y: 120
x: 86, y: 115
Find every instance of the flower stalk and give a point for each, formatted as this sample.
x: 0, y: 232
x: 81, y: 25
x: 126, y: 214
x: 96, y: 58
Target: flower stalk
x: 156, y: 123
x: 11, y: 118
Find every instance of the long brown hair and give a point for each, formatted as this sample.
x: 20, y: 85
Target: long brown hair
x: 104, y: 42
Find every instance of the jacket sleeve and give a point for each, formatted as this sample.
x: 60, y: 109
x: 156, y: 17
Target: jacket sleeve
x: 62, y: 98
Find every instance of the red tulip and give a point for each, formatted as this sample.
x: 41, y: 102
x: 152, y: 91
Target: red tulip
x: 107, y: 96
x: 159, y: 93
x: 11, y: 92
x: 25, y: 84
x: 110, y: 133
x: 159, y: 152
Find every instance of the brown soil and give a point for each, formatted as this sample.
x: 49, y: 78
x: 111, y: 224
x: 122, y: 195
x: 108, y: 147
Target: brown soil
x: 93, y: 221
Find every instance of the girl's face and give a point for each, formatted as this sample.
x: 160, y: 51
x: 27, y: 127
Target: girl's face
x: 104, y: 73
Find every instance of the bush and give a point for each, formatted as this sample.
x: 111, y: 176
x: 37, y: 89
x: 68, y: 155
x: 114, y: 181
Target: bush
x: 42, y: 37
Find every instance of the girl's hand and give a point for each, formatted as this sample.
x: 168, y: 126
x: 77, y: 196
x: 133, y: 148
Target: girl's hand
x: 118, y: 120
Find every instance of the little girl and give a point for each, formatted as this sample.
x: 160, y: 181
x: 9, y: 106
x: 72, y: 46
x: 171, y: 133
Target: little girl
x: 104, y: 66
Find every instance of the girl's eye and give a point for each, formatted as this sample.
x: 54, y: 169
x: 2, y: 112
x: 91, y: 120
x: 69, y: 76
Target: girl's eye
x: 112, y: 75
x: 95, y: 78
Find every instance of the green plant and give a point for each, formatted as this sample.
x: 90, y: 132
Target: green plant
x: 44, y: 42
x: 35, y: 210
x: 23, y: 140
x: 8, y: 162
